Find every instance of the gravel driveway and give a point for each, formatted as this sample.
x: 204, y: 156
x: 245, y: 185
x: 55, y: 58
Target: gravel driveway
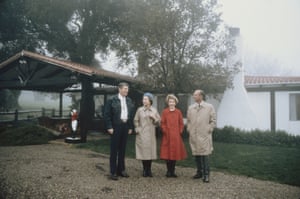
x: 61, y: 171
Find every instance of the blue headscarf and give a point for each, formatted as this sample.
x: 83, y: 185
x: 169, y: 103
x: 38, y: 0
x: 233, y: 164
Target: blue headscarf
x: 149, y: 95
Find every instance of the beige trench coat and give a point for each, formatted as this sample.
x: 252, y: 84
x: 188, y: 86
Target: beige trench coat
x: 145, y: 142
x: 201, y: 120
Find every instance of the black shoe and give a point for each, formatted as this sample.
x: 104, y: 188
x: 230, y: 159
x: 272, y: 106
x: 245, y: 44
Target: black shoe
x: 145, y: 173
x: 168, y: 174
x: 173, y: 175
x: 113, y: 177
x: 206, y: 179
x: 150, y: 173
x: 197, y: 176
x: 123, y: 174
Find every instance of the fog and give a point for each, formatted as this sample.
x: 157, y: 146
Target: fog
x: 270, y: 32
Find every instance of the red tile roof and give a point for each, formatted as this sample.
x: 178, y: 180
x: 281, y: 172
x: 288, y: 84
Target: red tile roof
x: 271, y: 80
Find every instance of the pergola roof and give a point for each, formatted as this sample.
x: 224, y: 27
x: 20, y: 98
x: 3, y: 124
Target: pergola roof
x: 31, y: 71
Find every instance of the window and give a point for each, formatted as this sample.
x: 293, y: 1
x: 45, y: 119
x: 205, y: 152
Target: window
x: 295, y: 107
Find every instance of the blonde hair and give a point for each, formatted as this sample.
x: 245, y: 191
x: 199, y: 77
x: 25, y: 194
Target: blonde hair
x: 171, y: 96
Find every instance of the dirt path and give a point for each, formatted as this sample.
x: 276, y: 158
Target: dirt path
x: 61, y: 171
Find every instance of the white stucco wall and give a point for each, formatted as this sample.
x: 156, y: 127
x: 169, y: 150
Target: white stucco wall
x: 260, y: 102
x: 282, y: 107
x: 235, y: 108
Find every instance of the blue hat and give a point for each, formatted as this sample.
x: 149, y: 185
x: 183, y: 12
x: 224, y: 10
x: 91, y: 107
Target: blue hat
x: 149, y: 95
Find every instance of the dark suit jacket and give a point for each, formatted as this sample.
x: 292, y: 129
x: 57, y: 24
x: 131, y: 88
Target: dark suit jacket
x: 112, y: 112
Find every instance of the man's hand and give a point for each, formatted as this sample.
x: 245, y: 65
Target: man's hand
x: 130, y: 131
x: 110, y: 131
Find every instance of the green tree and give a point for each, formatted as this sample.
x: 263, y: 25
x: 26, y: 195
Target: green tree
x: 9, y: 99
x: 16, y: 31
x: 75, y: 30
x: 179, y: 45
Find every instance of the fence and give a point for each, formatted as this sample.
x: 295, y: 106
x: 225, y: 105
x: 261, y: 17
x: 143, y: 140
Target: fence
x: 18, y: 115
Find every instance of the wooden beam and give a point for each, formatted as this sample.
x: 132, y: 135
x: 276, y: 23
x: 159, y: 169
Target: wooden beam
x: 56, y: 82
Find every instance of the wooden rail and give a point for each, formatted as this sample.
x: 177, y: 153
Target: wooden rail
x: 18, y: 115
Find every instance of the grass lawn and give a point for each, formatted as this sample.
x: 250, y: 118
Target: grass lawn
x: 280, y: 164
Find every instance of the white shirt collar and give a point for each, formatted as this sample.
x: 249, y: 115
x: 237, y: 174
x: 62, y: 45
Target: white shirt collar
x: 121, y: 97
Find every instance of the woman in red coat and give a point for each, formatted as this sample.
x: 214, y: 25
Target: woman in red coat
x: 172, y: 147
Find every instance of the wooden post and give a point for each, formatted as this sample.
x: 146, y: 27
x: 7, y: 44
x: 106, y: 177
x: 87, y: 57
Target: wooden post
x: 16, y: 115
x: 60, y: 104
x: 43, y: 112
x: 273, y: 111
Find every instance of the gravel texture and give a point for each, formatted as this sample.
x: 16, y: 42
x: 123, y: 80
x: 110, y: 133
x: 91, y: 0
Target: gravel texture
x: 59, y: 170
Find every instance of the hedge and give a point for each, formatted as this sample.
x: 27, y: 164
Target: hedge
x: 230, y: 134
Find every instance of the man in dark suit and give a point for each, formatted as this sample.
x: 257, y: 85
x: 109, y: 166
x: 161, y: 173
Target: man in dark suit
x: 118, y: 116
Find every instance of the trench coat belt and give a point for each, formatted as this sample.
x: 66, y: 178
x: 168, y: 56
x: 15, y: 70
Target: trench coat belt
x: 124, y: 121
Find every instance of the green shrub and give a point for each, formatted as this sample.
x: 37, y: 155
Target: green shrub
x: 230, y: 134
x: 2, y: 128
x: 25, y: 135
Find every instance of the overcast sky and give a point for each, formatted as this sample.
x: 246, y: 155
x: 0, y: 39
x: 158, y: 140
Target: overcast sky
x: 269, y: 27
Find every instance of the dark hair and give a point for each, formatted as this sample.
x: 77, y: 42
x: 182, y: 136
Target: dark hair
x: 150, y: 100
x: 203, y: 94
x: 122, y: 84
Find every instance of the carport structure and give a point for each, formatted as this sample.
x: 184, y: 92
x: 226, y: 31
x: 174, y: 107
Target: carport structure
x: 35, y: 72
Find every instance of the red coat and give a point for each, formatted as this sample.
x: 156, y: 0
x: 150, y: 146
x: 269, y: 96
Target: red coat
x: 172, y: 147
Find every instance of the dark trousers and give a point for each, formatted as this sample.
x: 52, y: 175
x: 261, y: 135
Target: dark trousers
x: 117, y: 148
x: 171, y: 166
x: 147, y: 164
x: 147, y: 168
x: 202, y: 165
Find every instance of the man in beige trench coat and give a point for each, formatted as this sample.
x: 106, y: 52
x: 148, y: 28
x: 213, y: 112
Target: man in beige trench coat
x: 201, y: 120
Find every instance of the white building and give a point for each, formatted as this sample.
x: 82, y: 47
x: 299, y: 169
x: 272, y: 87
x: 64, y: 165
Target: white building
x: 275, y: 101
x: 270, y: 103
x: 254, y: 102
x: 260, y: 102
